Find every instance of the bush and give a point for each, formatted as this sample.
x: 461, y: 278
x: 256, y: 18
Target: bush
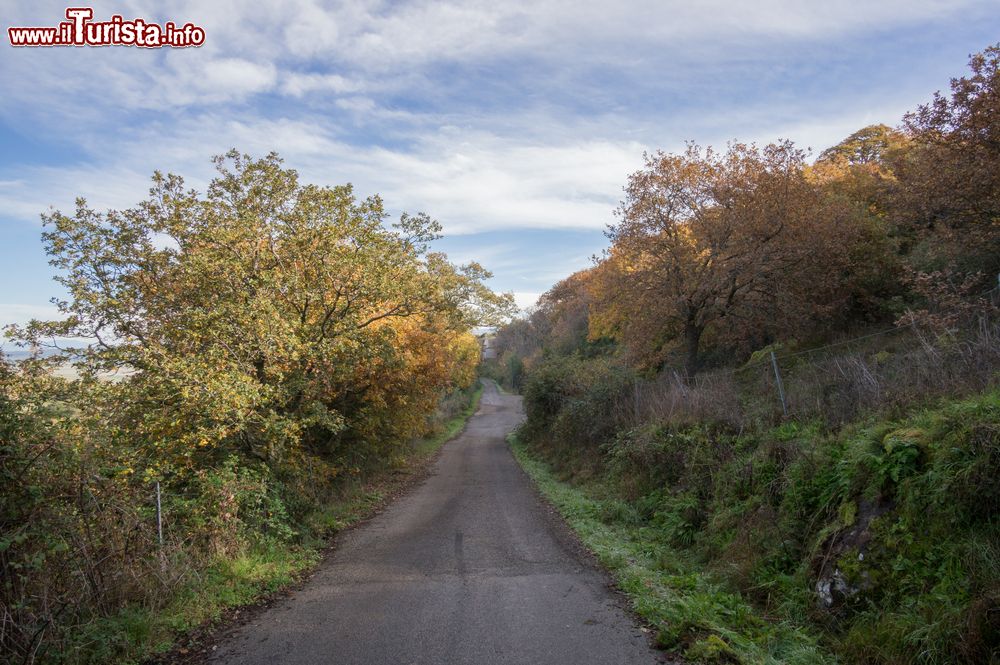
x: 883, y: 533
x: 576, y: 404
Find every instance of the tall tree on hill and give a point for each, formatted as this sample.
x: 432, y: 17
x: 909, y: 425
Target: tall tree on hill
x: 948, y: 194
x: 857, y: 174
x: 711, y: 243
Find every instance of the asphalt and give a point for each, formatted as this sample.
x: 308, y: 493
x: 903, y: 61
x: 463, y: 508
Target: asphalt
x: 469, y: 567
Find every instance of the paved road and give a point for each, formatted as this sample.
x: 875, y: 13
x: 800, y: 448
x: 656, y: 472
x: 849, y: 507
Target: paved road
x: 468, y: 568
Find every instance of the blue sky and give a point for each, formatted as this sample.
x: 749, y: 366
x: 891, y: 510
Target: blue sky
x: 514, y: 123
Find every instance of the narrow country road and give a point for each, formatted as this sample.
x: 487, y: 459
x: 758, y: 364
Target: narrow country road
x: 468, y: 568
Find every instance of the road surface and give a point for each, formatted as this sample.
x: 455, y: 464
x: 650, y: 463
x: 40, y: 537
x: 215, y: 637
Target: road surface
x: 468, y: 568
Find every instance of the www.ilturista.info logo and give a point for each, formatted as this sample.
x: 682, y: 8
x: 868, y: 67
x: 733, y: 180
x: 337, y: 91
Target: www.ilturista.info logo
x: 80, y: 30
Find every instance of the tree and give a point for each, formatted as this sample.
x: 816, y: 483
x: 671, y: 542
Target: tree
x: 869, y: 146
x: 709, y: 243
x: 857, y: 175
x: 565, y: 309
x: 948, y: 193
x: 264, y: 315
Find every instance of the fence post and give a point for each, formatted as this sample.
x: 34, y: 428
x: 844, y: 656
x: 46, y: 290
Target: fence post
x: 635, y: 397
x: 781, y: 386
x: 159, y: 517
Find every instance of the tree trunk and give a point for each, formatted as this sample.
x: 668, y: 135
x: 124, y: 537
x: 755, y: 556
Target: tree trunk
x: 692, y: 341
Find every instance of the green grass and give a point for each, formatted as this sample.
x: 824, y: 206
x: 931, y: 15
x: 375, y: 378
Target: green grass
x: 729, y: 535
x: 138, y: 633
x: 694, y: 614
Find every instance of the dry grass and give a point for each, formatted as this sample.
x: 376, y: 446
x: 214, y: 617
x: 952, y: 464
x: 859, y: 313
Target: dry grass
x: 888, y: 374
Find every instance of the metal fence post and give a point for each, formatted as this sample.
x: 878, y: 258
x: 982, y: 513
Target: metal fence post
x: 781, y: 386
x: 159, y: 517
x: 635, y: 396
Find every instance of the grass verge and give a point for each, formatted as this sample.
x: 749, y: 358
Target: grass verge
x: 695, y: 615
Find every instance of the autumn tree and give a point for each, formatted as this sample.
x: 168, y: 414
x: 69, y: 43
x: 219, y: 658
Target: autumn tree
x: 265, y: 315
x: 869, y: 146
x: 948, y: 194
x: 708, y: 243
x: 856, y: 175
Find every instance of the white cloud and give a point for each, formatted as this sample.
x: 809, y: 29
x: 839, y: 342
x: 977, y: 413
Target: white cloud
x: 234, y: 76
x: 356, y: 104
x: 297, y: 85
x: 486, y: 115
x: 479, y: 181
x: 470, y: 181
x: 310, y: 29
x: 111, y: 184
x: 251, y: 46
x: 21, y: 314
x: 369, y: 36
x: 526, y: 299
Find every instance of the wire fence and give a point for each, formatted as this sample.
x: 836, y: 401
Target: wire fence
x: 882, y: 371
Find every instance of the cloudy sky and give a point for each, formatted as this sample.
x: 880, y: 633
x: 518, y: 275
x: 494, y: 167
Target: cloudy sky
x: 515, y: 123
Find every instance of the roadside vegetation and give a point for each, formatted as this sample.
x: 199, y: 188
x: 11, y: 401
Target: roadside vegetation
x: 771, y: 407
x: 279, y: 350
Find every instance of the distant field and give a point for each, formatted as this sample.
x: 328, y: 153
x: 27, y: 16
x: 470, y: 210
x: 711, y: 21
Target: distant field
x: 15, y: 354
x: 66, y: 370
